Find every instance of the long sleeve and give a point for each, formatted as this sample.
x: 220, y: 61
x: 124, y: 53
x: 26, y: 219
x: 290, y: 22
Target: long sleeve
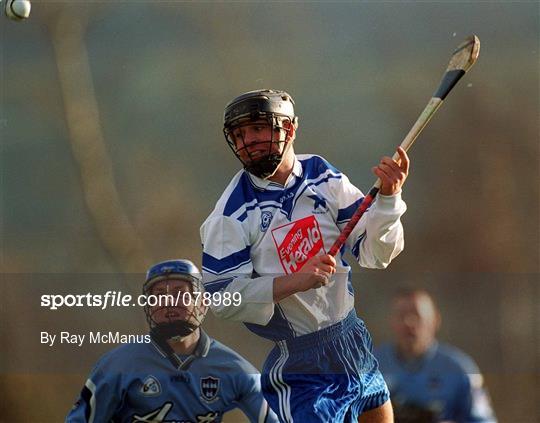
x: 227, y: 267
x: 378, y: 237
x: 99, y: 399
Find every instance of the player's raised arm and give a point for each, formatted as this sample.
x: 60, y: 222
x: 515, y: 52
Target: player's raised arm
x: 378, y: 237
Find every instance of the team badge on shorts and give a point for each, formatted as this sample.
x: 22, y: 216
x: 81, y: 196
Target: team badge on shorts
x: 266, y: 219
x: 297, y: 242
x: 150, y: 387
x: 209, y: 388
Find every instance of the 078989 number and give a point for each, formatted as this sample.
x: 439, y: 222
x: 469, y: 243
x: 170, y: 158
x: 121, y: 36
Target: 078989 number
x: 212, y: 299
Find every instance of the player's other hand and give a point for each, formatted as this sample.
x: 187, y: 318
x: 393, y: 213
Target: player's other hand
x: 392, y: 173
x: 320, y: 269
x: 314, y: 274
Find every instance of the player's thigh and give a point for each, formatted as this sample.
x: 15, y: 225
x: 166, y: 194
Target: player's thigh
x: 381, y: 414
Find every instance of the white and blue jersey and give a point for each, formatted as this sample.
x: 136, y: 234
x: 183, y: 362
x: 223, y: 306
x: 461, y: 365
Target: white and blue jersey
x: 260, y: 230
x: 321, y: 368
x: 445, y: 382
x: 137, y: 383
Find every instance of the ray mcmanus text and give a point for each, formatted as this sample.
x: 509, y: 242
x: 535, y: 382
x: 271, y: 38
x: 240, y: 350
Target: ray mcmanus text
x: 79, y: 339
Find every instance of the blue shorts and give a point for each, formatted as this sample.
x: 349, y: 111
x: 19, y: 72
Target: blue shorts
x: 327, y: 376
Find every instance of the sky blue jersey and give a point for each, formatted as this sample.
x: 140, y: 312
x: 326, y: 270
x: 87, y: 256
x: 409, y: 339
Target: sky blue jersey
x: 445, y: 382
x: 138, y: 383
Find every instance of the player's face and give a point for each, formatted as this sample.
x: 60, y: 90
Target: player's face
x: 254, y: 140
x: 174, y: 301
x: 414, y: 323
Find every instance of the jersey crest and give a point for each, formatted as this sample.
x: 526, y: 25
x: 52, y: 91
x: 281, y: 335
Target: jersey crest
x: 266, y: 219
x: 209, y: 388
x: 297, y: 242
x: 150, y: 387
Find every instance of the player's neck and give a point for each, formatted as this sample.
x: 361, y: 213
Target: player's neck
x: 186, y: 345
x: 285, y: 168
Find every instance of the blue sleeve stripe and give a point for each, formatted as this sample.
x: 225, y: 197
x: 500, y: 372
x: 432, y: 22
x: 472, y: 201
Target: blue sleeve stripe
x: 356, y: 247
x: 226, y: 264
x: 315, y: 166
x: 346, y: 213
x: 242, y: 217
x: 217, y: 285
x: 206, y: 269
x: 324, y: 180
x: 240, y: 195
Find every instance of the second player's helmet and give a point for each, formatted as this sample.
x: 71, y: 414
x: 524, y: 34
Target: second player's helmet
x: 273, y: 106
x: 164, y: 320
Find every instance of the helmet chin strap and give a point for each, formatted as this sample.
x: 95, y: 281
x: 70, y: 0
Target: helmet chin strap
x: 177, y: 329
x: 162, y: 333
x: 267, y: 166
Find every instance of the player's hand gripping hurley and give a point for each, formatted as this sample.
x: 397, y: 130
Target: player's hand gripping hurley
x: 462, y: 60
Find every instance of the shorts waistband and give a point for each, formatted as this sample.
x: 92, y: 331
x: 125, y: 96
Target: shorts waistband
x: 322, y: 336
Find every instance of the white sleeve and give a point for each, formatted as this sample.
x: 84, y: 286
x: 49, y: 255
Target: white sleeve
x: 378, y: 237
x: 384, y: 232
x: 227, y: 267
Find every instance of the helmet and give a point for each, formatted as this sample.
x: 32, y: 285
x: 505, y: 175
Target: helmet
x: 275, y: 107
x: 174, y: 270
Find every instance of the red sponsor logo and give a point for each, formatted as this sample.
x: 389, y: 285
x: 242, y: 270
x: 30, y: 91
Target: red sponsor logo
x: 297, y: 242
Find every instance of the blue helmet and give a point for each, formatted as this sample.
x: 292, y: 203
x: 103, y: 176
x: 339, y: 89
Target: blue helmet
x: 171, y: 270
x: 181, y: 268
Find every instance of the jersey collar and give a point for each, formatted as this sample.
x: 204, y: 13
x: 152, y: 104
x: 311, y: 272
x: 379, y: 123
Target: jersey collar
x: 265, y: 184
x: 183, y: 362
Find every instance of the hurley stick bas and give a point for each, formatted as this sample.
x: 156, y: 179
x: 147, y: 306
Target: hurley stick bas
x: 462, y: 60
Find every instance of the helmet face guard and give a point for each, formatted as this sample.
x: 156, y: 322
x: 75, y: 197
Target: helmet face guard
x: 171, y: 305
x: 256, y: 108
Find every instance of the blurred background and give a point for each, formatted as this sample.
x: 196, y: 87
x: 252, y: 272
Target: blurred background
x: 112, y: 156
